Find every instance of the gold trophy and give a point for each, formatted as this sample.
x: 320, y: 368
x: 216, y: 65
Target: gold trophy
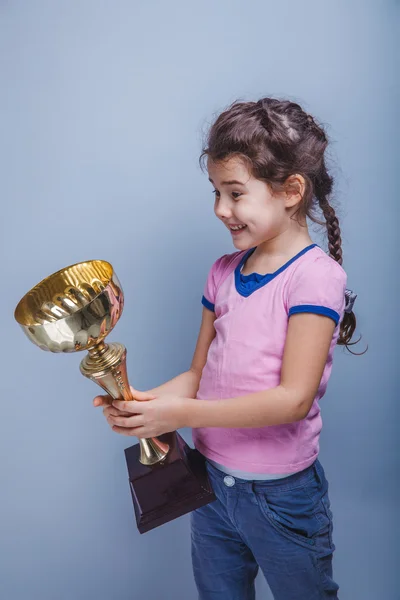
x: 75, y: 309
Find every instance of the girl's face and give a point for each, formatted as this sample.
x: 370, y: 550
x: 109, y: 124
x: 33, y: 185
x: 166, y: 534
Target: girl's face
x: 246, y: 206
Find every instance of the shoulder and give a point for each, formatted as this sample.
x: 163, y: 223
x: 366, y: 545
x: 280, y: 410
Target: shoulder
x: 316, y: 265
x: 316, y: 283
x: 219, y: 271
x: 226, y: 262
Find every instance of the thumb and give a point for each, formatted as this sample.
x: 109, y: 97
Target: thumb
x: 141, y: 396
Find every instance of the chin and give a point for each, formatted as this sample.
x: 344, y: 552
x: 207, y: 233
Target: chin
x: 242, y: 244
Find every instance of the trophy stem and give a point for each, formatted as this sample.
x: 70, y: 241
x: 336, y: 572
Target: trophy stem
x: 96, y: 351
x: 106, y: 365
x: 152, y: 451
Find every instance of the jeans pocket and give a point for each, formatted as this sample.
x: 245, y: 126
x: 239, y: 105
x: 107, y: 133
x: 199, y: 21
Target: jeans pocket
x: 301, y: 513
x: 293, y: 514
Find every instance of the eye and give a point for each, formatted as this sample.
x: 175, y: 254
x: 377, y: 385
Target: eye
x: 235, y: 195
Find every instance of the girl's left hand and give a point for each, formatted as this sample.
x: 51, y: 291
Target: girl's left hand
x: 150, y: 418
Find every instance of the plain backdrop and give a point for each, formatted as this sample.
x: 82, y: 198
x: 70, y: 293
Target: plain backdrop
x: 104, y: 105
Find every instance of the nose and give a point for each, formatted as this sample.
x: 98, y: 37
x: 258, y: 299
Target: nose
x: 223, y: 208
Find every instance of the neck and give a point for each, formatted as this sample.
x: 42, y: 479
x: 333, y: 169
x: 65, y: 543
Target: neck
x: 286, y: 244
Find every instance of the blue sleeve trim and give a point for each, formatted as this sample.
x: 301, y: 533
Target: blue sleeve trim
x: 318, y: 310
x: 207, y: 304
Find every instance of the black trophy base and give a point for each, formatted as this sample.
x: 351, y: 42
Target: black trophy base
x: 169, y: 489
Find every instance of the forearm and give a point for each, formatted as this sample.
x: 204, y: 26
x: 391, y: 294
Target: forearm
x: 270, y: 407
x: 186, y: 385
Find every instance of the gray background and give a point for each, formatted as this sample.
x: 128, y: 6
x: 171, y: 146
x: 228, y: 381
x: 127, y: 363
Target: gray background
x: 103, y: 107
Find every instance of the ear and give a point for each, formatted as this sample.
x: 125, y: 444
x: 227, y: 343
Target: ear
x: 295, y: 187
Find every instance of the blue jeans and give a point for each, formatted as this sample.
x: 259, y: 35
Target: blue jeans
x: 282, y: 526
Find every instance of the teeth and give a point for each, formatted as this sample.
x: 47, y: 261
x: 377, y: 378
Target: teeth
x: 237, y: 227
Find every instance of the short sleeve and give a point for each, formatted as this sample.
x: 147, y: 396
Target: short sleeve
x: 318, y: 287
x: 210, y: 288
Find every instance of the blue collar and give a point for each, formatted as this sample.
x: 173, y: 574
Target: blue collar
x: 247, y: 284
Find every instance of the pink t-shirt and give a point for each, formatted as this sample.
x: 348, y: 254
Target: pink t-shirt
x: 252, y: 314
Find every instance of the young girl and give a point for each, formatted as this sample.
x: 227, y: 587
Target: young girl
x: 273, y: 312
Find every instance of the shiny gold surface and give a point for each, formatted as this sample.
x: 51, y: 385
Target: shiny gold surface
x: 75, y: 309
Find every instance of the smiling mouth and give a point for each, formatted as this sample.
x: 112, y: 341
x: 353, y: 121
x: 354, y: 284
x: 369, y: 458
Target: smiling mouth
x: 237, y: 227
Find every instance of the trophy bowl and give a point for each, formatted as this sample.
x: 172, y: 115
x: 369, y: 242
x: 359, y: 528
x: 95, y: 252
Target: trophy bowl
x: 73, y: 309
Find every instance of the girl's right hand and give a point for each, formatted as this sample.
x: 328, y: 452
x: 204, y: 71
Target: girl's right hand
x: 109, y: 410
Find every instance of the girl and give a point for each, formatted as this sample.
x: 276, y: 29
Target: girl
x: 273, y: 312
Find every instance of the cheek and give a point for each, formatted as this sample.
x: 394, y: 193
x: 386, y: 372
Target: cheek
x: 244, y: 212
x: 265, y: 218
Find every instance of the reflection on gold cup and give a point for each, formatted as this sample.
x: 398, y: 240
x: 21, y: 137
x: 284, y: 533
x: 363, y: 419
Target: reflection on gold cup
x: 75, y: 309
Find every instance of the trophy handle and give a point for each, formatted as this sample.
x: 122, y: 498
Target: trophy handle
x: 105, y: 364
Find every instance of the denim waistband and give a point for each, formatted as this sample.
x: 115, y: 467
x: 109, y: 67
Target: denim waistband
x: 286, y: 483
x: 247, y: 476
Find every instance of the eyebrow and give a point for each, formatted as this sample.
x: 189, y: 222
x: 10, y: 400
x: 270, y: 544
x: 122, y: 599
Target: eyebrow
x: 232, y: 182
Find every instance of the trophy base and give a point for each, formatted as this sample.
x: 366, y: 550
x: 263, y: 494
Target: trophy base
x: 169, y: 489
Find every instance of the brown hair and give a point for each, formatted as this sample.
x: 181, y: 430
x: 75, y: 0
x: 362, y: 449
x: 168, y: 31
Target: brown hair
x: 277, y: 138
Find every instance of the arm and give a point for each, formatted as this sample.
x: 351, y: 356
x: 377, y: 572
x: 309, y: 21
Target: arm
x: 306, y: 350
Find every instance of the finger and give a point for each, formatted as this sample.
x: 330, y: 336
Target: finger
x: 102, y: 401
x: 141, y: 432
x: 127, y: 422
x: 143, y: 396
x: 125, y: 431
x: 111, y: 410
x: 130, y: 406
x: 134, y: 391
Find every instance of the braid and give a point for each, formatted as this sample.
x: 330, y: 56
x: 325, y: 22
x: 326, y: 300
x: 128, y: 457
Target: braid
x: 323, y: 184
x: 333, y: 229
x: 322, y: 188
